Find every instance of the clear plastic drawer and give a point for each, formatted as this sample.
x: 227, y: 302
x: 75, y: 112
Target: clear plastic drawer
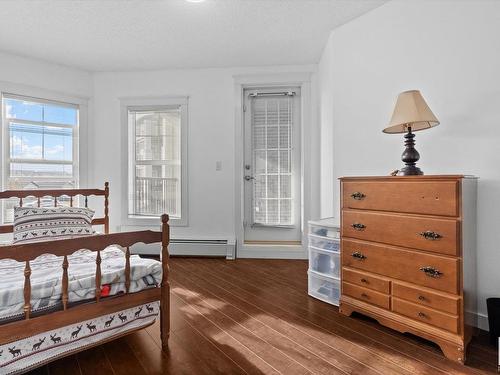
x: 324, y: 243
x: 325, y: 262
x: 324, y: 288
x: 324, y: 231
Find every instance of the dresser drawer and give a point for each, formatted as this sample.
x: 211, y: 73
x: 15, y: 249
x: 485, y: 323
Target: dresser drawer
x: 435, y: 300
x: 418, y: 197
x: 402, y: 230
x: 366, y: 295
x: 401, y: 264
x: 366, y: 280
x: 426, y: 315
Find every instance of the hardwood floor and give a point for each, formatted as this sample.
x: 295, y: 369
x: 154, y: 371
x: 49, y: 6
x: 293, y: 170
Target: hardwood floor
x: 255, y: 317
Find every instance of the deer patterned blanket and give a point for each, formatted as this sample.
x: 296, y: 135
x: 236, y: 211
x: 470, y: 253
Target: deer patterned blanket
x: 23, y: 355
x: 46, y: 278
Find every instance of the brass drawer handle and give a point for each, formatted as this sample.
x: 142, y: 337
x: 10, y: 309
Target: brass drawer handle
x: 431, y: 271
x: 358, y: 226
x: 364, y: 281
x: 421, y: 298
x: 357, y: 195
x: 421, y: 315
x: 430, y: 235
x: 357, y: 255
x: 364, y: 295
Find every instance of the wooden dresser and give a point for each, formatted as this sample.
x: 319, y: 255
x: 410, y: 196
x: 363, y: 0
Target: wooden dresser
x: 408, y: 255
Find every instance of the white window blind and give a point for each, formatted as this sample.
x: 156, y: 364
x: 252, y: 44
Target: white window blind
x: 41, y: 144
x: 271, y: 120
x: 156, y: 169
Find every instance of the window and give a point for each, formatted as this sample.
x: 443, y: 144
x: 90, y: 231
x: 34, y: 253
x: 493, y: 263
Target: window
x: 156, y: 153
x: 40, y: 145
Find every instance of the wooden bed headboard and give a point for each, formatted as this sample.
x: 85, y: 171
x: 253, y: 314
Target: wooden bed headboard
x: 57, y: 193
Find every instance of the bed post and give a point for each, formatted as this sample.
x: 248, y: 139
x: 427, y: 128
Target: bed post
x: 106, y: 210
x: 165, y: 284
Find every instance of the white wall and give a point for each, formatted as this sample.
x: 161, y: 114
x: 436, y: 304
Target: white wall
x: 450, y: 51
x: 211, y: 137
x: 325, y: 99
x: 36, y: 78
x: 47, y: 76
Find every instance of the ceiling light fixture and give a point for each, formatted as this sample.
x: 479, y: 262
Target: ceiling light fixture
x: 195, y: 1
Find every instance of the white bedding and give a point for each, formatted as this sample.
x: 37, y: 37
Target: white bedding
x: 46, y: 277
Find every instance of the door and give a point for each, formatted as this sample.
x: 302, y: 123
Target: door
x: 272, y: 188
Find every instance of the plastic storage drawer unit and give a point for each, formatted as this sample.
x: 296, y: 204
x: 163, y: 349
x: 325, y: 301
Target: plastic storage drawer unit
x: 324, y: 260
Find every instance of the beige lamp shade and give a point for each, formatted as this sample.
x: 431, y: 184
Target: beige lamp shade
x: 411, y: 111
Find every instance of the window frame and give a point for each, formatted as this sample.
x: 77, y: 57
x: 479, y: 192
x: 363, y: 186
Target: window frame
x: 129, y: 162
x: 75, y: 163
x: 10, y: 89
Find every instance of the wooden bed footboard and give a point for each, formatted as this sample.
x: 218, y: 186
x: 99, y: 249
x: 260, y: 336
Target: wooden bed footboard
x: 30, y: 326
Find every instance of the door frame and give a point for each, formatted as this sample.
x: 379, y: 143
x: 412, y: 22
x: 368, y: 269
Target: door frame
x: 241, y: 83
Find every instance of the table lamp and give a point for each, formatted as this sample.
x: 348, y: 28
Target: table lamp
x: 411, y: 114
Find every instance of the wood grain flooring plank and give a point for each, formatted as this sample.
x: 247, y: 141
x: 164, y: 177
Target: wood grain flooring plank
x: 354, y: 350
x: 282, y: 330
x: 220, y: 334
x: 122, y: 358
x: 210, y: 355
x: 253, y: 284
x: 66, y: 365
x: 176, y: 360
x: 94, y: 361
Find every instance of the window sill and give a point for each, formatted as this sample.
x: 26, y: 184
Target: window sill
x: 149, y: 221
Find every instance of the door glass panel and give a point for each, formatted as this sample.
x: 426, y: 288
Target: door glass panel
x: 271, y: 122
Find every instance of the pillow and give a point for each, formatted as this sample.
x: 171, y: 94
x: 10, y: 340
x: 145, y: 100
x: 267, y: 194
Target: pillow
x: 43, y: 224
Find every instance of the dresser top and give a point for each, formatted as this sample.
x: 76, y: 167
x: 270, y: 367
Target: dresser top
x: 410, y: 178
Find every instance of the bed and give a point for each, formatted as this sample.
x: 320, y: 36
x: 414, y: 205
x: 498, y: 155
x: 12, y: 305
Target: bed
x: 62, y: 296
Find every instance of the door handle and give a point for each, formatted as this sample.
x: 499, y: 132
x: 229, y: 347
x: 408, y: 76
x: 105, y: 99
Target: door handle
x: 248, y: 178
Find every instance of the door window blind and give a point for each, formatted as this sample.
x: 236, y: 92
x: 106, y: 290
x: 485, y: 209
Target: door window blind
x: 271, y: 122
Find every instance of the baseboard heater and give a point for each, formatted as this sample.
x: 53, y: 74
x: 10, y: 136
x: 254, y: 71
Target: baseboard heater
x: 191, y: 247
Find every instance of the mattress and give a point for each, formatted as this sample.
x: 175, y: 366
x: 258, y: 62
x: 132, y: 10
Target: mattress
x: 46, y: 279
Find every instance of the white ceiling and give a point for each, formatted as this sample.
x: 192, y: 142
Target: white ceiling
x: 109, y: 35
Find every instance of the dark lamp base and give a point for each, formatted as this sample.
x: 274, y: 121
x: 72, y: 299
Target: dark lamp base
x: 410, y: 170
x: 410, y: 157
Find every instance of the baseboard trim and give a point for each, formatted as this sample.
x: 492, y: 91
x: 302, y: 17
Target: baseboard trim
x: 191, y: 248
x: 272, y: 243
x: 477, y: 320
x: 271, y: 252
